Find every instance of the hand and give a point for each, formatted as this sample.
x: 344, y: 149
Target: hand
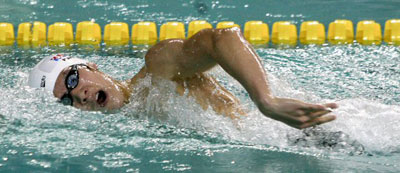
x: 297, y: 114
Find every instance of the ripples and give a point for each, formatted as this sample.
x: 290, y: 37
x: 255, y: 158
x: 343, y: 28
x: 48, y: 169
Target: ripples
x: 37, y: 131
x: 40, y: 134
x: 354, y: 71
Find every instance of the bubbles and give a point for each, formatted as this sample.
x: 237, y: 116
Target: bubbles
x: 150, y: 131
x: 339, y: 71
x: 201, y: 7
x: 371, y: 123
x: 43, y: 164
x: 118, y: 159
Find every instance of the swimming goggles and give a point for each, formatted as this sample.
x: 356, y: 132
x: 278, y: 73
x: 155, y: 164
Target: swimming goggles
x: 71, y: 82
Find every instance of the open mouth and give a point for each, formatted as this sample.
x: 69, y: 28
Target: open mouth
x: 101, y: 98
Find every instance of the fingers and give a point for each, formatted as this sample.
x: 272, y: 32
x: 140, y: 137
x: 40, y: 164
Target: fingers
x: 318, y: 121
x: 331, y: 105
x: 312, y: 107
x: 319, y: 113
x: 314, y: 118
x: 304, y: 117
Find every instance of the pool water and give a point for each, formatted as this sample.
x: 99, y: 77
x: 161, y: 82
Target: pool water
x: 172, y: 133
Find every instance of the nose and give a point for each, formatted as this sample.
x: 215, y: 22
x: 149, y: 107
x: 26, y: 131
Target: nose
x: 80, y: 95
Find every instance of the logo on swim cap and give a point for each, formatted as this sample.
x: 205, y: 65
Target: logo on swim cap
x: 45, y: 73
x: 60, y: 57
x: 43, y: 82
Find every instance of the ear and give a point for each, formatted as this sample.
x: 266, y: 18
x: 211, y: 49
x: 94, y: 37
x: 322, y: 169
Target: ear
x: 92, y: 65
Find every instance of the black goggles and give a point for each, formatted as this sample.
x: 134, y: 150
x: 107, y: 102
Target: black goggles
x: 71, y: 82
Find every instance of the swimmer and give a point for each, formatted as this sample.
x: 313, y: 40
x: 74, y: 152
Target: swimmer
x: 79, y: 83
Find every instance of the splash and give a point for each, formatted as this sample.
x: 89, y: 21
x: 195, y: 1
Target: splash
x: 32, y: 123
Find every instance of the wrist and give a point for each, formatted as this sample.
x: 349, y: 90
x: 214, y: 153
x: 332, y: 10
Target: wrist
x: 265, y: 102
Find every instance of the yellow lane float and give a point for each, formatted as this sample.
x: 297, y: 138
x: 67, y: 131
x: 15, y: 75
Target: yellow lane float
x: 392, y: 32
x: 341, y: 32
x: 172, y: 30
x: 196, y: 26
x: 116, y: 34
x: 6, y: 34
x: 88, y: 33
x: 284, y: 33
x: 369, y: 32
x: 60, y: 34
x: 144, y: 33
x: 256, y: 32
x: 312, y: 32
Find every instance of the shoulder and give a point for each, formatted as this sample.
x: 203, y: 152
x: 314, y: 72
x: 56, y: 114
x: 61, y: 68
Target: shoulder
x: 164, y: 52
x: 165, y: 46
x: 161, y: 59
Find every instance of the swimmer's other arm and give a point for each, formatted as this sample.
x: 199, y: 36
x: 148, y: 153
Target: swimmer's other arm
x: 173, y: 59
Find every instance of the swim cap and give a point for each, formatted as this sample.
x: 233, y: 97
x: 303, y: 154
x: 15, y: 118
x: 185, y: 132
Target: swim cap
x: 45, y: 73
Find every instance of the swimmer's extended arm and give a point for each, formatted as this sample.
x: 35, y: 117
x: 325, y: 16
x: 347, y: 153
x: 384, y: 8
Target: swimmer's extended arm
x: 228, y: 48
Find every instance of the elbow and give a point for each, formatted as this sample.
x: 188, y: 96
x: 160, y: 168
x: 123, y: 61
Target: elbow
x: 215, y: 35
x: 227, y: 36
x: 225, y: 33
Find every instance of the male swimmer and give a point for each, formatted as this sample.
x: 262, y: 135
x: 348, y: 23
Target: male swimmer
x: 79, y: 83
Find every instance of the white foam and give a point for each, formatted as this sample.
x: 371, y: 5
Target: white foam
x: 362, y: 126
x: 373, y: 124
x: 361, y: 122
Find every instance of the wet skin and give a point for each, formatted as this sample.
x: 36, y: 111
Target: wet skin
x: 95, y: 91
x: 184, y: 62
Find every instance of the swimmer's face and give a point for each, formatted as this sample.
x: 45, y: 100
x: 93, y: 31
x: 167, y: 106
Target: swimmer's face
x: 95, y: 90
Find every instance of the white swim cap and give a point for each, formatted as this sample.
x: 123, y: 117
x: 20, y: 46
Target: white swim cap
x: 45, y: 73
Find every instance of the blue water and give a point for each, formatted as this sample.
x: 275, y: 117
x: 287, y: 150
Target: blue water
x: 172, y: 133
